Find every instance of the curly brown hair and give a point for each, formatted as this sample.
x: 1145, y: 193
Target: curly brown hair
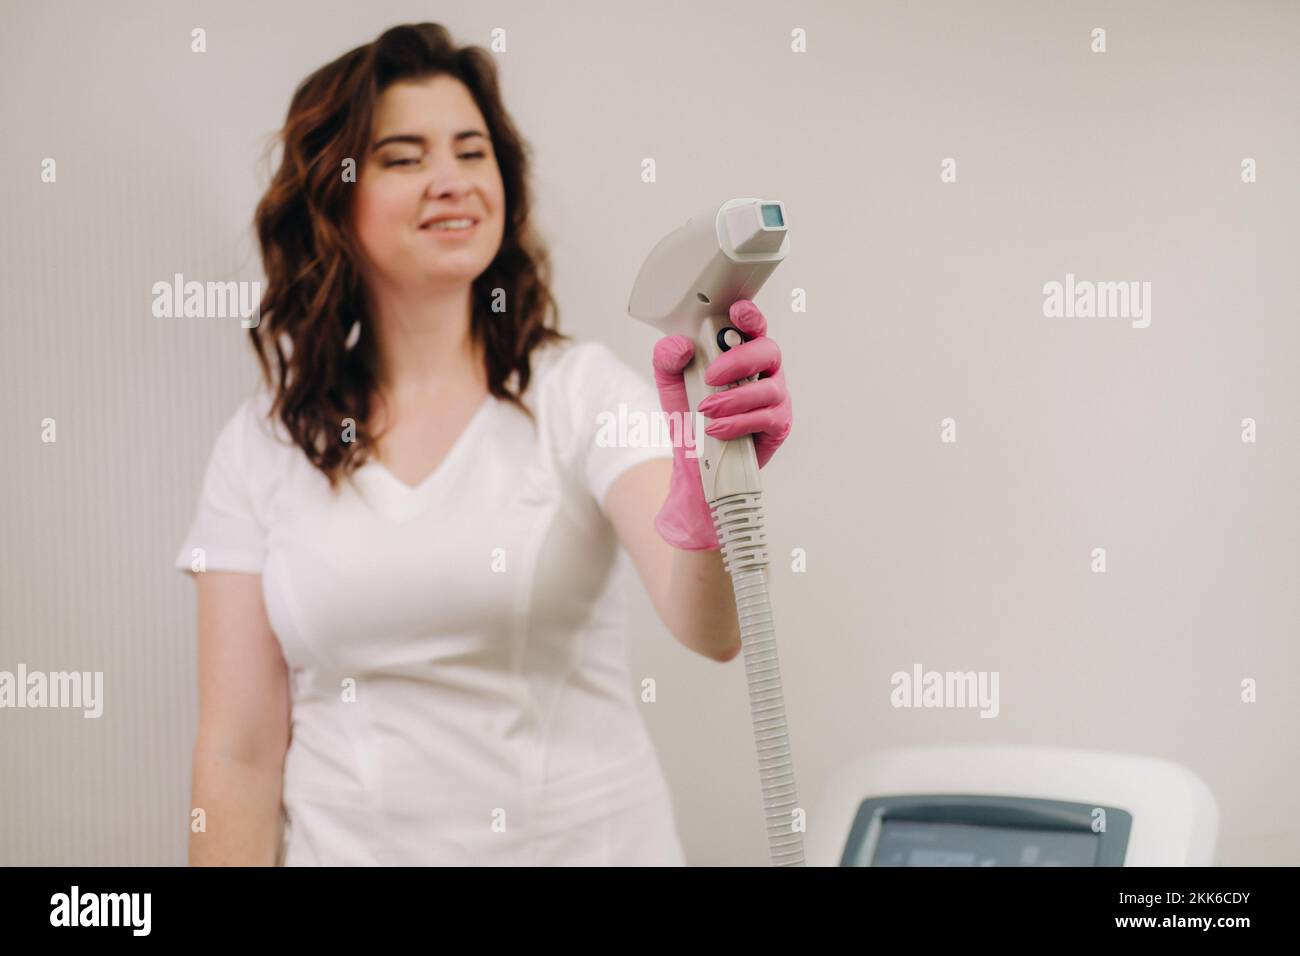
x: 314, y: 289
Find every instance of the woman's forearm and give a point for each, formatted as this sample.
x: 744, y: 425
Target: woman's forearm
x: 241, y: 818
x: 701, y: 604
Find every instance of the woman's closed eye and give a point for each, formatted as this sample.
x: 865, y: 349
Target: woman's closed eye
x: 403, y: 162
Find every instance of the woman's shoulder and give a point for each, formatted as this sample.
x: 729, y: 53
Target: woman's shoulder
x: 255, y: 415
x: 578, y: 364
x: 553, y: 354
x: 585, y: 382
x: 251, y: 439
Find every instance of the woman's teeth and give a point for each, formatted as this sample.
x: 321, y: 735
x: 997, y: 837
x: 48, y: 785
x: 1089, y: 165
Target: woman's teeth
x: 452, y: 224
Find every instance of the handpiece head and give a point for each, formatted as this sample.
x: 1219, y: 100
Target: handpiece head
x: 718, y: 257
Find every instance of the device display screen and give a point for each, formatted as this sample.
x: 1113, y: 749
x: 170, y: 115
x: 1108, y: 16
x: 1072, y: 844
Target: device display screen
x: 772, y: 215
x: 908, y: 843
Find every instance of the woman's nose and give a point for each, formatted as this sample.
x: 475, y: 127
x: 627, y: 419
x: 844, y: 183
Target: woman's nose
x: 447, y: 180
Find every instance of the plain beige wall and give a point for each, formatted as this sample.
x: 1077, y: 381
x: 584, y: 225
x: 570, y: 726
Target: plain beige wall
x: 924, y: 302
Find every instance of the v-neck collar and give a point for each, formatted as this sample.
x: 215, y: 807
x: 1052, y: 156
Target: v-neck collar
x: 397, y: 500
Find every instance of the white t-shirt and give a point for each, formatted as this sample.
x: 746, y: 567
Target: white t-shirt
x: 457, y: 650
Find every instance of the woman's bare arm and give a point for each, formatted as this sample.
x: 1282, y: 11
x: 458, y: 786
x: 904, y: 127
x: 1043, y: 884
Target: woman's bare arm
x: 690, y: 590
x: 243, y: 735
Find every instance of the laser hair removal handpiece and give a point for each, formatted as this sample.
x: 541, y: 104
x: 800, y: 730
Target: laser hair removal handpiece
x: 686, y: 287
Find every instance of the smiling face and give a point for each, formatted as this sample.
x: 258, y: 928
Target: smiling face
x: 430, y: 157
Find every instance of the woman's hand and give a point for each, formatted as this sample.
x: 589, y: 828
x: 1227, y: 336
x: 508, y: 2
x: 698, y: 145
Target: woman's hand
x: 760, y: 408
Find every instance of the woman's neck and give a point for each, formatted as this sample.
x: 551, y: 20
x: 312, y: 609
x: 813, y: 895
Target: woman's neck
x: 425, y: 345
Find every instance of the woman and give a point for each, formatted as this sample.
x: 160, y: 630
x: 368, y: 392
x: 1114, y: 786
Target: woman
x: 410, y: 624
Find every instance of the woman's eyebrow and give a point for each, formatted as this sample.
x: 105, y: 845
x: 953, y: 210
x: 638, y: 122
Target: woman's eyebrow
x: 419, y: 140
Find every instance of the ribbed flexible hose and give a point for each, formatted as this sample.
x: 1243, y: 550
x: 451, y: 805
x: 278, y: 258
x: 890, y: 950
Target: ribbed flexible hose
x: 739, y: 522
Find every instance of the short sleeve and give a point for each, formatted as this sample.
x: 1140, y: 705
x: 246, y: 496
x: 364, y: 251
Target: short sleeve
x: 620, y: 421
x: 226, y: 525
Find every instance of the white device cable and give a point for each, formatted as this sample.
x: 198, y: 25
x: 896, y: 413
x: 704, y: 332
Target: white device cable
x: 739, y: 522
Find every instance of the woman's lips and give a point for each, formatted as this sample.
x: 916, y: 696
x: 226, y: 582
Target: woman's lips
x: 451, y: 233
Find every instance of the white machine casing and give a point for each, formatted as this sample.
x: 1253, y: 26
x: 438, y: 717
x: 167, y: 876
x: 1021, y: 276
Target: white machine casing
x: 1175, y: 816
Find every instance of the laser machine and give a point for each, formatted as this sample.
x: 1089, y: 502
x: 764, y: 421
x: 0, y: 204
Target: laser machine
x: 1012, y: 806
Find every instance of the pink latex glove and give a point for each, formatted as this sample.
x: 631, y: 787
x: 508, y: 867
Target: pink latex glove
x: 760, y: 408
